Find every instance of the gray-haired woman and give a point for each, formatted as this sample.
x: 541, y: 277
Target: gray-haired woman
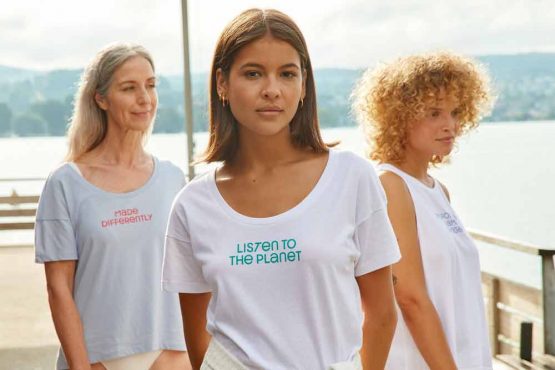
x: 101, y: 221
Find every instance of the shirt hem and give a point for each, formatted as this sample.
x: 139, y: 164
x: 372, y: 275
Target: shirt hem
x: 371, y: 265
x: 185, y: 287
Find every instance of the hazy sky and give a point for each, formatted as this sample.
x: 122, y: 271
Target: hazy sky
x: 52, y: 34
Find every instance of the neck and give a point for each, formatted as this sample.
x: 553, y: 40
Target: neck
x: 258, y: 152
x: 121, y: 147
x: 416, y: 165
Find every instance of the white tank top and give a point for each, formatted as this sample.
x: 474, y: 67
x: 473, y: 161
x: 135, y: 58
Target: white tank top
x: 452, y: 272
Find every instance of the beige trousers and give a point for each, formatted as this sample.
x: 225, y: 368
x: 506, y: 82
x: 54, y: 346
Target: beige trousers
x: 218, y: 358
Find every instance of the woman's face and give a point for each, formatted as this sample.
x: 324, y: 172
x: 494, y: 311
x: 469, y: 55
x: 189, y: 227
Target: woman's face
x: 265, y: 86
x: 131, y: 100
x: 435, y: 133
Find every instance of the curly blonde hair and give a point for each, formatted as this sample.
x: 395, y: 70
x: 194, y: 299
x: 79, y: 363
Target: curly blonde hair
x: 390, y: 98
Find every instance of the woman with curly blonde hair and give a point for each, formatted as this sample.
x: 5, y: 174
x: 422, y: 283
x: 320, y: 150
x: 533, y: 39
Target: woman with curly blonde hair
x: 413, y: 110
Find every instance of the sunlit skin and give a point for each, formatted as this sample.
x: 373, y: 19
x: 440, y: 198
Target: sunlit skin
x: 434, y: 134
x: 269, y: 175
x: 264, y: 86
x: 131, y: 100
x: 119, y: 164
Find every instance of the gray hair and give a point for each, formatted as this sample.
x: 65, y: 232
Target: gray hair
x: 89, y: 123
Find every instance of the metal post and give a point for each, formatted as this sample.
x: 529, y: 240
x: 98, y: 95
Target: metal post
x: 526, y: 341
x: 188, y: 99
x: 548, y: 291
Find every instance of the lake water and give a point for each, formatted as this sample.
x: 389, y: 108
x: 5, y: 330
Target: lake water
x: 501, y: 179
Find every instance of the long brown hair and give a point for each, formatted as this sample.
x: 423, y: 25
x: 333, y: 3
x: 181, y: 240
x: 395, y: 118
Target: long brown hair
x: 247, y: 27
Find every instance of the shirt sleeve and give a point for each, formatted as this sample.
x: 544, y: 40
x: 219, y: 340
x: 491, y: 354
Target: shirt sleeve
x: 54, y: 234
x: 374, y: 235
x: 181, y: 271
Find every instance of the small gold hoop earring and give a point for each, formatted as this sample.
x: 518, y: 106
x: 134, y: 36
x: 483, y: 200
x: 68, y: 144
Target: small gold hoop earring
x: 223, y: 99
x: 302, y: 102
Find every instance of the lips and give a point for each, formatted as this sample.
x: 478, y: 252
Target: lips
x: 447, y: 139
x: 141, y: 114
x: 272, y: 109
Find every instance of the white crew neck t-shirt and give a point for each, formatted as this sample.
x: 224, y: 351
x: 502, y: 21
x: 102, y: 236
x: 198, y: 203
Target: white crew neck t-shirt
x: 284, y: 294
x: 117, y: 240
x: 452, y: 273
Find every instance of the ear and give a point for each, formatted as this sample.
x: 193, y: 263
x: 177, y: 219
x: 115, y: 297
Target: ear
x: 303, y: 93
x: 221, y: 82
x: 101, y: 101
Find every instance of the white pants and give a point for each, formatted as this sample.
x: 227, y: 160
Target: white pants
x: 139, y: 361
x: 218, y: 358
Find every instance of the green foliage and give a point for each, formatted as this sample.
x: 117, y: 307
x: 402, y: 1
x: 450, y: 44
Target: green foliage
x: 42, y: 102
x: 29, y: 124
x: 168, y: 121
x: 5, y: 120
x: 55, y: 113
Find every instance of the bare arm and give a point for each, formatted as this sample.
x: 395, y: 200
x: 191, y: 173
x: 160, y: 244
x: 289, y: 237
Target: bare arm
x: 59, y: 282
x: 193, y: 310
x: 380, y: 317
x: 418, y: 310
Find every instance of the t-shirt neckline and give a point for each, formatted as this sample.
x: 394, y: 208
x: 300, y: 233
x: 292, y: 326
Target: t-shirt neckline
x: 388, y: 166
x: 292, y: 212
x: 142, y: 188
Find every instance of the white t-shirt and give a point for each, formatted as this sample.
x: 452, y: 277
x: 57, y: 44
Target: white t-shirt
x: 452, y: 272
x: 284, y: 294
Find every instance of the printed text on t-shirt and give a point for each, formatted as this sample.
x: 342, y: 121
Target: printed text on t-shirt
x: 266, y: 252
x: 126, y: 216
x: 450, y: 222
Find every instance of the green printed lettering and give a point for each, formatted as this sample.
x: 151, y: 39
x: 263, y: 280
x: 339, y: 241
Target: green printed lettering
x: 265, y: 246
x: 259, y: 258
x: 291, y: 243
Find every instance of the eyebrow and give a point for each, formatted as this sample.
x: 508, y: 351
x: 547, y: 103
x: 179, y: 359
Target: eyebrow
x: 133, y: 81
x: 256, y: 65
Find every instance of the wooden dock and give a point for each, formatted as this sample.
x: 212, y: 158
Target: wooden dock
x: 521, y: 319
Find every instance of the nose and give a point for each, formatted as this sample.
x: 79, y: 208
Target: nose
x: 271, y: 89
x: 451, y: 125
x: 144, y: 97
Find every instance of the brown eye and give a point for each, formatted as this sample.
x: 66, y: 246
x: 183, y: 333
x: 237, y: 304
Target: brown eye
x: 252, y: 74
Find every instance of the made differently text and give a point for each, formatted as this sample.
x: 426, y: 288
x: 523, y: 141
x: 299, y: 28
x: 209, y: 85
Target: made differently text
x: 126, y: 216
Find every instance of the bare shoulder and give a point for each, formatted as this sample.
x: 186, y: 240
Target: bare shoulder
x: 397, y: 192
x: 444, y: 190
x: 392, y: 183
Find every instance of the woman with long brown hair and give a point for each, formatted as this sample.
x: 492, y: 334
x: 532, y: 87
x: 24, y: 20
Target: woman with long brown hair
x: 281, y: 255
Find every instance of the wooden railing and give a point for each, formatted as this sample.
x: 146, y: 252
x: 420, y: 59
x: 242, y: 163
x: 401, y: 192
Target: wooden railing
x: 18, y: 212
x: 521, y: 318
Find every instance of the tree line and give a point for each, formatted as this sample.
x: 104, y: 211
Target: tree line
x: 40, y: 104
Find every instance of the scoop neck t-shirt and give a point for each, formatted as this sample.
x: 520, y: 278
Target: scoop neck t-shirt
x: 284, y: 293
x: 117, y: 240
